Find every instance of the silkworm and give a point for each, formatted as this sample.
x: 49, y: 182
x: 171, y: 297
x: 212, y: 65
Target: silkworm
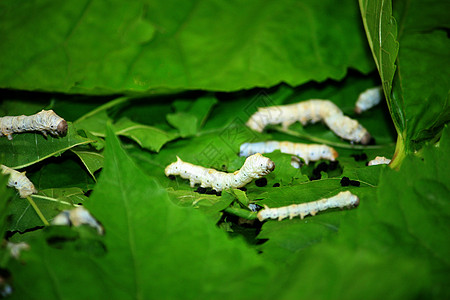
x: 379, y: 160
x: 16, y: 248
x: 341, y: 200
x: 45, y: 121
x: 255, y: 166
x: 19, y: 181
x: 310, y: 111
x: 368, y: 99
x: 309, y: 152
x: 77, y: 217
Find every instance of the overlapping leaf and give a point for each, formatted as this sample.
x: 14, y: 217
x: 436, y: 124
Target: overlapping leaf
x: 159, y: 46
x: 50, y: 202
x: 148, y: 137
x: 29, y: 148
x: 399, y: 234
x: 142, y: 223
x: 418, y: 94
x: 381, y: 30
x: 92, y: 160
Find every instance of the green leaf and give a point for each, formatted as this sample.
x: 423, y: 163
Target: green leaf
x: 422, y: 86
x: 290, y: 236
x: 94, y: 122
x: 29, y: 148
x: 398, y: 234
x: 418, y: 94
x: 381, y: 31
x: 160, y: 46
x: 148, y: 137
x: 190, y: 117
x: 50, y: 202
x: 241, y: 197
x: 141, y: 222
x: 185, y: 123
x: 417, y: 198
x: 92, y: 160
x: 62, y: 172
x: 210, y: 204
x: 6, y: 194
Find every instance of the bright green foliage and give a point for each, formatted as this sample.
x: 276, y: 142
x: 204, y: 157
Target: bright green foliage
x: 190, y: 117
x: 29, y: 148
x: 417, y: 198
x: 118, y: 46
x: 394, y: 245
x: 92, y: 160
x: 167, y: 240
x: 381, y: 30
x: 422, y: 82
x: 50, y: 202
x: 61, y: 182
x: 148, y: 137
x: 146, y: 238
x: 418, y: 94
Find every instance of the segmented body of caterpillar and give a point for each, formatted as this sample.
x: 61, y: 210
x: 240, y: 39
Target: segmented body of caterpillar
x: 309, y: 152
x: 77, y: 217
x: 379, y: 160
x: 368, y: 99
x: 255, y: 166
x: 310, y: 111
x: 45, y: 121
x: 341, y: 200
x: 19, y: 181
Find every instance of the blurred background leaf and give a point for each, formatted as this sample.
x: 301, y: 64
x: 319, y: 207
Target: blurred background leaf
x: 145, y: 46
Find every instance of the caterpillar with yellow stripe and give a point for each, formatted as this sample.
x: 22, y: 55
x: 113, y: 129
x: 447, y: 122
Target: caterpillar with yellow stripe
x: 45, y: 121
x: 308, y: 152
x: 255, y: 166
x: 19, y: 181
x: 310, y: 111
x: 341, y: 200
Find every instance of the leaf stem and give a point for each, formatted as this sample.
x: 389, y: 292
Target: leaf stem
x: 399, y: 154
x: 243, y: 213
x: 103, y: 107
x: 54, y: 200
x: 38, y: 211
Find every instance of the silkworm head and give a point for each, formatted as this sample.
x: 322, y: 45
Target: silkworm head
x: 260, y: 165
x: 366, y: 138
x: 334, y: 154
x: 62, y: 128
x: 174, y: 168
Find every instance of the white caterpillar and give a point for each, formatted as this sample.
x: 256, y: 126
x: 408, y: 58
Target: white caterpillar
x: 379, y: 160
x: 368, y: 99
x: 77, y: 217
x: 45, y: 121
x: 19, y: 181
x: 255, y: 166
x: 309, y: 152
x: 341, y: 200
x: 16, y: 248
x: 310, y: 111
